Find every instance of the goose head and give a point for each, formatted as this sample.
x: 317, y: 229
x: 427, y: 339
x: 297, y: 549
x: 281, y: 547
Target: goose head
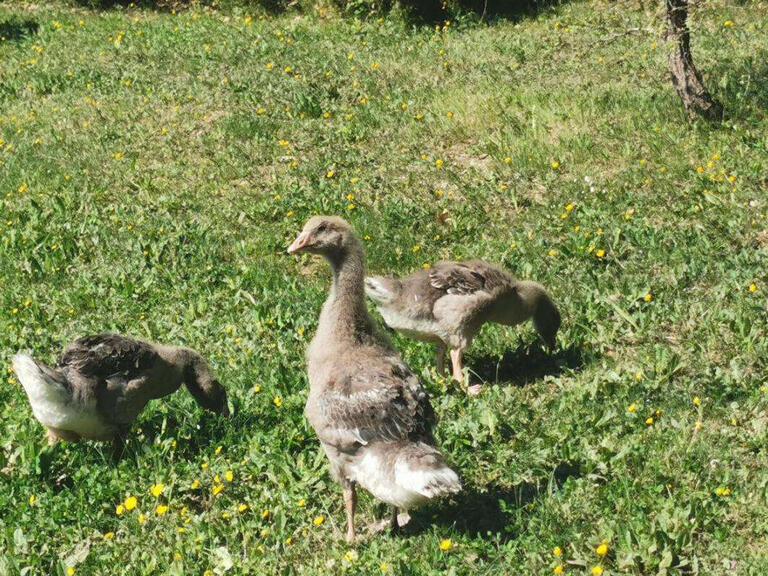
x: 329, y: 236
x: 205, y: 387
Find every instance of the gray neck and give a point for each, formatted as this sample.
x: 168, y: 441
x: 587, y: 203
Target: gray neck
x: 344, y: 315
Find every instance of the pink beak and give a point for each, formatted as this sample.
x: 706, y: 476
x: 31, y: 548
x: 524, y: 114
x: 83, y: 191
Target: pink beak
x: 299, y: 243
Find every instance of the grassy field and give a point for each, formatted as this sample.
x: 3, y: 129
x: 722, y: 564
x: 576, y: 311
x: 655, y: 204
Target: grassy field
x: 154, y: 165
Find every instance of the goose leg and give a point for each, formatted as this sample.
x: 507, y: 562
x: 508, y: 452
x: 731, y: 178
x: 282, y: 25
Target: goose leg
x: 440, y: 358
x: 458, y: 372
x: 350, y: 502
x: 394, y: 525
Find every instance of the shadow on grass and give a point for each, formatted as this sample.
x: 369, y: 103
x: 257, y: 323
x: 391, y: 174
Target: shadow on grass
x: 487, y: 513
x: 15, y: 30
x: 526, y: 363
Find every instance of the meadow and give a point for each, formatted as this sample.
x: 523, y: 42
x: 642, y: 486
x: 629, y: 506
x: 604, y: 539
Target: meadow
x: 156, y: 163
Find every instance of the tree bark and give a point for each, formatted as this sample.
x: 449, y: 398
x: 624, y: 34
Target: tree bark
x: 685, y: 77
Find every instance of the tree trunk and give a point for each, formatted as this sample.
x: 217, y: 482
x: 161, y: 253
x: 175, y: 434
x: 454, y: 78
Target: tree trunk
x: 686, y: 79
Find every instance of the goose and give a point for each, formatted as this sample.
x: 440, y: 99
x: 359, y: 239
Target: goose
x: 102, y: 383
x: 448, y: 303
x: 372, y: 416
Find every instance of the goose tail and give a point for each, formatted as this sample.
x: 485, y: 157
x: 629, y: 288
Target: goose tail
x: 38, y: 379
x: 382, y: 290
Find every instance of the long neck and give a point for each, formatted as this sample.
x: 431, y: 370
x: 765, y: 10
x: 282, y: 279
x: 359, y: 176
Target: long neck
x: 344, y: 315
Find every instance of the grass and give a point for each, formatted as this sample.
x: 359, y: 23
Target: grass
x: 154, y: 167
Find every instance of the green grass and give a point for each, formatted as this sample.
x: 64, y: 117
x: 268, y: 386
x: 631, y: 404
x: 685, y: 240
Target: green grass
x: 154, y: 168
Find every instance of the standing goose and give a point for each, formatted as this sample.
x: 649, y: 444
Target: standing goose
x: 373, y: 418
x: 449, y: 303
x: 102, y: 383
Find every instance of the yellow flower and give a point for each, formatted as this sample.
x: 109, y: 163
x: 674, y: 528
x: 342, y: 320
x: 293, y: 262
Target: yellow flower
x: 569, y: 207
x: 270, y: 65
x: 439, y: 162
x: 195, y: 484
x: 696, y: 400
x: 350, y: 556
x: 301, y: 503
x: 753, y: 287
x: 242, y: 508
x: 229, y: 476
x: 507, y: 160
x: 383, y: 567
x: 141, y: 519
x: 329, y: 174
x: 416, y: 248
x: 449, y: 115
x: 602, y: 550
x: 208, y: 573
x: 130, y: 503
x: 632, y: 407
x: 217, y: 488
x: 265, y: 514
x: 157, y: 489
x: 277, y: 401
x: 350, y: 206
x: 446, y: 544
x: 558, y: 569
x: 318, y: 520
x: 32, y: 499
x: 70, y: 571
x: 161, y: 509
x: 649, y: 420
x: 597, y: 571
x: 257, y: 388
x: 557, y: 551
x: 728, y: 23
x: 552, y: 252
x: 120, y: 509
x: 555, y: 165
x: 600, y: 253
x: 218, y: 450
x: 109, y: 535
x: 699, y: 425
x: 648, y: 297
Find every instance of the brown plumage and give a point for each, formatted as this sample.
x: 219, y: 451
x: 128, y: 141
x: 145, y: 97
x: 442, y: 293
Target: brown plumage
x: 102, y: 383
x: 373, y: 418
x: 449, y: 303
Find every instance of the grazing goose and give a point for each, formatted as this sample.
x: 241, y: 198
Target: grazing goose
x: 103, y: 382
x: 373, y: 418
x: 449, y: 303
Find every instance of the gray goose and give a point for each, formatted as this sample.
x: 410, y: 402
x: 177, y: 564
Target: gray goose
x: 102, y: 383
x: 449, y: 303
x: 373, y: 418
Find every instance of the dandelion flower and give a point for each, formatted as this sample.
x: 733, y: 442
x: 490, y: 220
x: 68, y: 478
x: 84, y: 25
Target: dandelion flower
x: 217, y: 488
x: 161, y: 509
x: 648, y: 297
x: 446, y: 544
x: 557, y: 551
x: 649, y: 420
x: 696, y: 401
x: 242, y: 508
x: 70, y: 571
x: 229, y: 476
x: 141, y: 519
x: 157, y: 489
x: 555, y: 165
x: 265, y: 514
x: 439, y: 162
x: 329, y: 174
x: 277, y: 401
x: 32, y: 499
x: 109, y: 535
x: 120, y: 509
x: 753, y: 287
x: 632, y: 407
x: 318, y: 520
x: 350, y: 556
x: 600, y: 253
x: 597, y: 571
x: 602, y: 550
x: 195, y: 484
x: 558, y: 569
x: 130, y: 503
x: 301, y: 503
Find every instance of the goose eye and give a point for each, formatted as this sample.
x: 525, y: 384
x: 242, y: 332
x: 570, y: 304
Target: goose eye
x: 321, y: 228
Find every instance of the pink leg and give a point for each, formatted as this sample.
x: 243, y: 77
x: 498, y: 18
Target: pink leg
x: 458, y: 373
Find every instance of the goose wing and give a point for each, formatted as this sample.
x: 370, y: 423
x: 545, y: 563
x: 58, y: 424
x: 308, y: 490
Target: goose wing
x: 465, y: 278
x: 372, y: 401
x: 105, y: 356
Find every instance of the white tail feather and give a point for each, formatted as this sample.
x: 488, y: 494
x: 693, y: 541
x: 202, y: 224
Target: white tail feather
x: 378, y: 289
x: 428, y: 482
